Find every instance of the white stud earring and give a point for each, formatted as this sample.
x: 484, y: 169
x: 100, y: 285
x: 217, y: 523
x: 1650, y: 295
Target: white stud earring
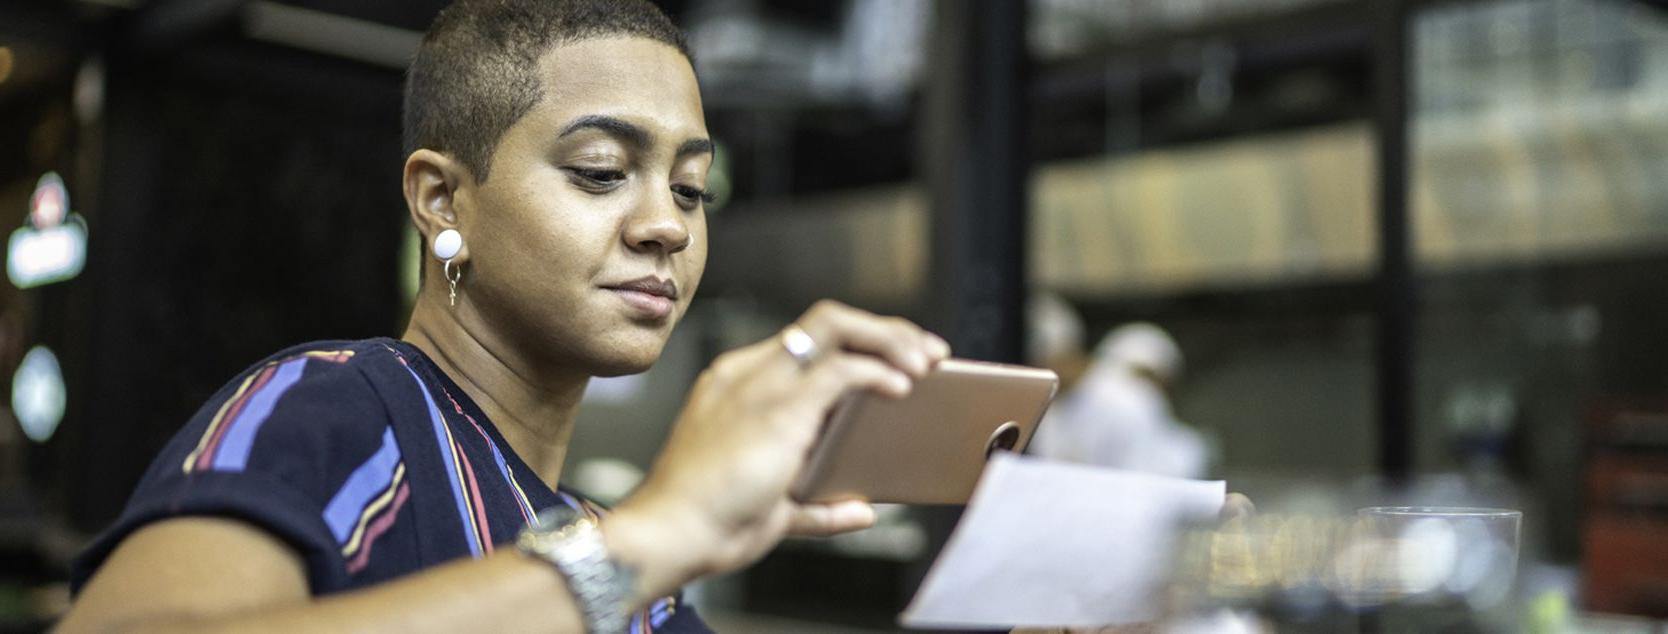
x: 446, y: 246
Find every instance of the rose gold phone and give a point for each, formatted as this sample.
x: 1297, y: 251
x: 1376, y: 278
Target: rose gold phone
x: 930, y: 447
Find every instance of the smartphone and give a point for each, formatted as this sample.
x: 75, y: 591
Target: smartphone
x: 928, y: 447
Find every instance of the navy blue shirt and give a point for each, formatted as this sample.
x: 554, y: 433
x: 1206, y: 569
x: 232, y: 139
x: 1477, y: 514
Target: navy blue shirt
x: 365, y: 458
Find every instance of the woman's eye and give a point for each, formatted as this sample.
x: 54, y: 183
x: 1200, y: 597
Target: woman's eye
x: 692, y: 194
x: 596, y: 177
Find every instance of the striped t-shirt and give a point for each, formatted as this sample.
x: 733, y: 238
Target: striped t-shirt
x: 365, y: 458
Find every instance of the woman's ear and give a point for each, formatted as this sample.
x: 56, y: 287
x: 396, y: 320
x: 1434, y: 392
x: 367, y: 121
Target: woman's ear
x: 431, y: 181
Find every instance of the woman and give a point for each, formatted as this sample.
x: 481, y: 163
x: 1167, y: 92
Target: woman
x: 556, y: 158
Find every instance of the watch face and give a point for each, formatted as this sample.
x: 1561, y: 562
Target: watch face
x: 556, y: 517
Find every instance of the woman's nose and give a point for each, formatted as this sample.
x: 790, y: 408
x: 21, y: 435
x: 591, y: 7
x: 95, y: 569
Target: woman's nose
x: 659, y: 226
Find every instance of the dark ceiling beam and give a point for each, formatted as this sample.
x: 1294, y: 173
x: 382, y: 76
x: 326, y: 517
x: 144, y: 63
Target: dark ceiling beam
x: 332, y: 34
x: 1160, y: 46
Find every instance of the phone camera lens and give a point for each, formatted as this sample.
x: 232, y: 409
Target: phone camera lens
x: 1005, y: 438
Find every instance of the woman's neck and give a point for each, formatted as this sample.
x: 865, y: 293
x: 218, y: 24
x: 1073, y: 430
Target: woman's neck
x: 533, y: 408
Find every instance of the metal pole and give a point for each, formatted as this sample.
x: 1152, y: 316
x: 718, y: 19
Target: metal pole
x: 976, y: 168
x: 1397, y: 291
x: 975, y: 165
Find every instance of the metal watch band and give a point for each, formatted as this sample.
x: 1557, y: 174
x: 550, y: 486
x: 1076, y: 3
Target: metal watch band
x: 601, y: 586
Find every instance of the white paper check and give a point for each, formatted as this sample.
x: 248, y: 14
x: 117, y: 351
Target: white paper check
x: 1050, y: 544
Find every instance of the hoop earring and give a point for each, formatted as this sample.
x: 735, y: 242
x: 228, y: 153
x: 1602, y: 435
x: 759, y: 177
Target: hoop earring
x: 453, y: 274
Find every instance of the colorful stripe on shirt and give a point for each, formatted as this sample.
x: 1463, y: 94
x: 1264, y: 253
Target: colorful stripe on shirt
x: 526, y: 505
x: 226, y: 443
x: 454, y: 472
x: 368, y: 502
x: 471, y: 507
x: 474, y: 503
x: 377, y: 528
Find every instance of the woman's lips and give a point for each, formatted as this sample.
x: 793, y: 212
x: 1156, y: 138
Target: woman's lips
x: 645, y: 304
x: 650, y: 296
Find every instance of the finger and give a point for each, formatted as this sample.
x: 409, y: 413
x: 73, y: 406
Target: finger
x: 899, y: 342
x: 937, y: 347
x: 819, y: 520
x: 846, y: 372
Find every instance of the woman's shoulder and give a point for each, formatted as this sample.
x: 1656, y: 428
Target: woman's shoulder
x: 356, y: 353
x: 335, y: 369
x: 274, y: 447
x: 314, y: 388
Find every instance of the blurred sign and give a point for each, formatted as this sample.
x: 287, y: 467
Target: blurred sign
x: 38, y: 396
x: 52, y: 244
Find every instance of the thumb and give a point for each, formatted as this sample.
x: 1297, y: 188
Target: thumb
x: 816, y: 520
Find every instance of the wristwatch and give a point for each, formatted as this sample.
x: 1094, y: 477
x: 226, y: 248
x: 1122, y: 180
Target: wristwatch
x: 572, y: 542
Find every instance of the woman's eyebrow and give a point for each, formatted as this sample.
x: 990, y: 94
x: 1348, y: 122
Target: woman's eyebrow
x: 631, y: 134
x: 618, y: 128
x: 695, y: 146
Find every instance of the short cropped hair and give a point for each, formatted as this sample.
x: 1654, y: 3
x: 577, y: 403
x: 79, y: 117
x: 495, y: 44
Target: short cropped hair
x: 476, y: 72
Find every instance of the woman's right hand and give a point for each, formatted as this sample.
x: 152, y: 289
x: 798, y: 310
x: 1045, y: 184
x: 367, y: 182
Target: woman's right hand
x: 717, y: 497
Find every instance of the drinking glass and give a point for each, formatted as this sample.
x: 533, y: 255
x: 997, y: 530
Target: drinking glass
x: 1430, y: 554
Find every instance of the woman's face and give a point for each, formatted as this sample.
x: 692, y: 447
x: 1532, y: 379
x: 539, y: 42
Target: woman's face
x: 588, y: 238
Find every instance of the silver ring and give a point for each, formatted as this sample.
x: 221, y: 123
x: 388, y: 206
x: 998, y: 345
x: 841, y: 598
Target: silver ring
x: 799, y: 345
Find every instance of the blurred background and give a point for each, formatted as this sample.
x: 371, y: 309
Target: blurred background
x: 1414, y: 247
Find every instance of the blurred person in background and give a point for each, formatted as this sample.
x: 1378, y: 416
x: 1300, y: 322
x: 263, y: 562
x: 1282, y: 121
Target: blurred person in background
x: 556, y: 158
x: 1054, y: 338
x: 1117, y: 413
